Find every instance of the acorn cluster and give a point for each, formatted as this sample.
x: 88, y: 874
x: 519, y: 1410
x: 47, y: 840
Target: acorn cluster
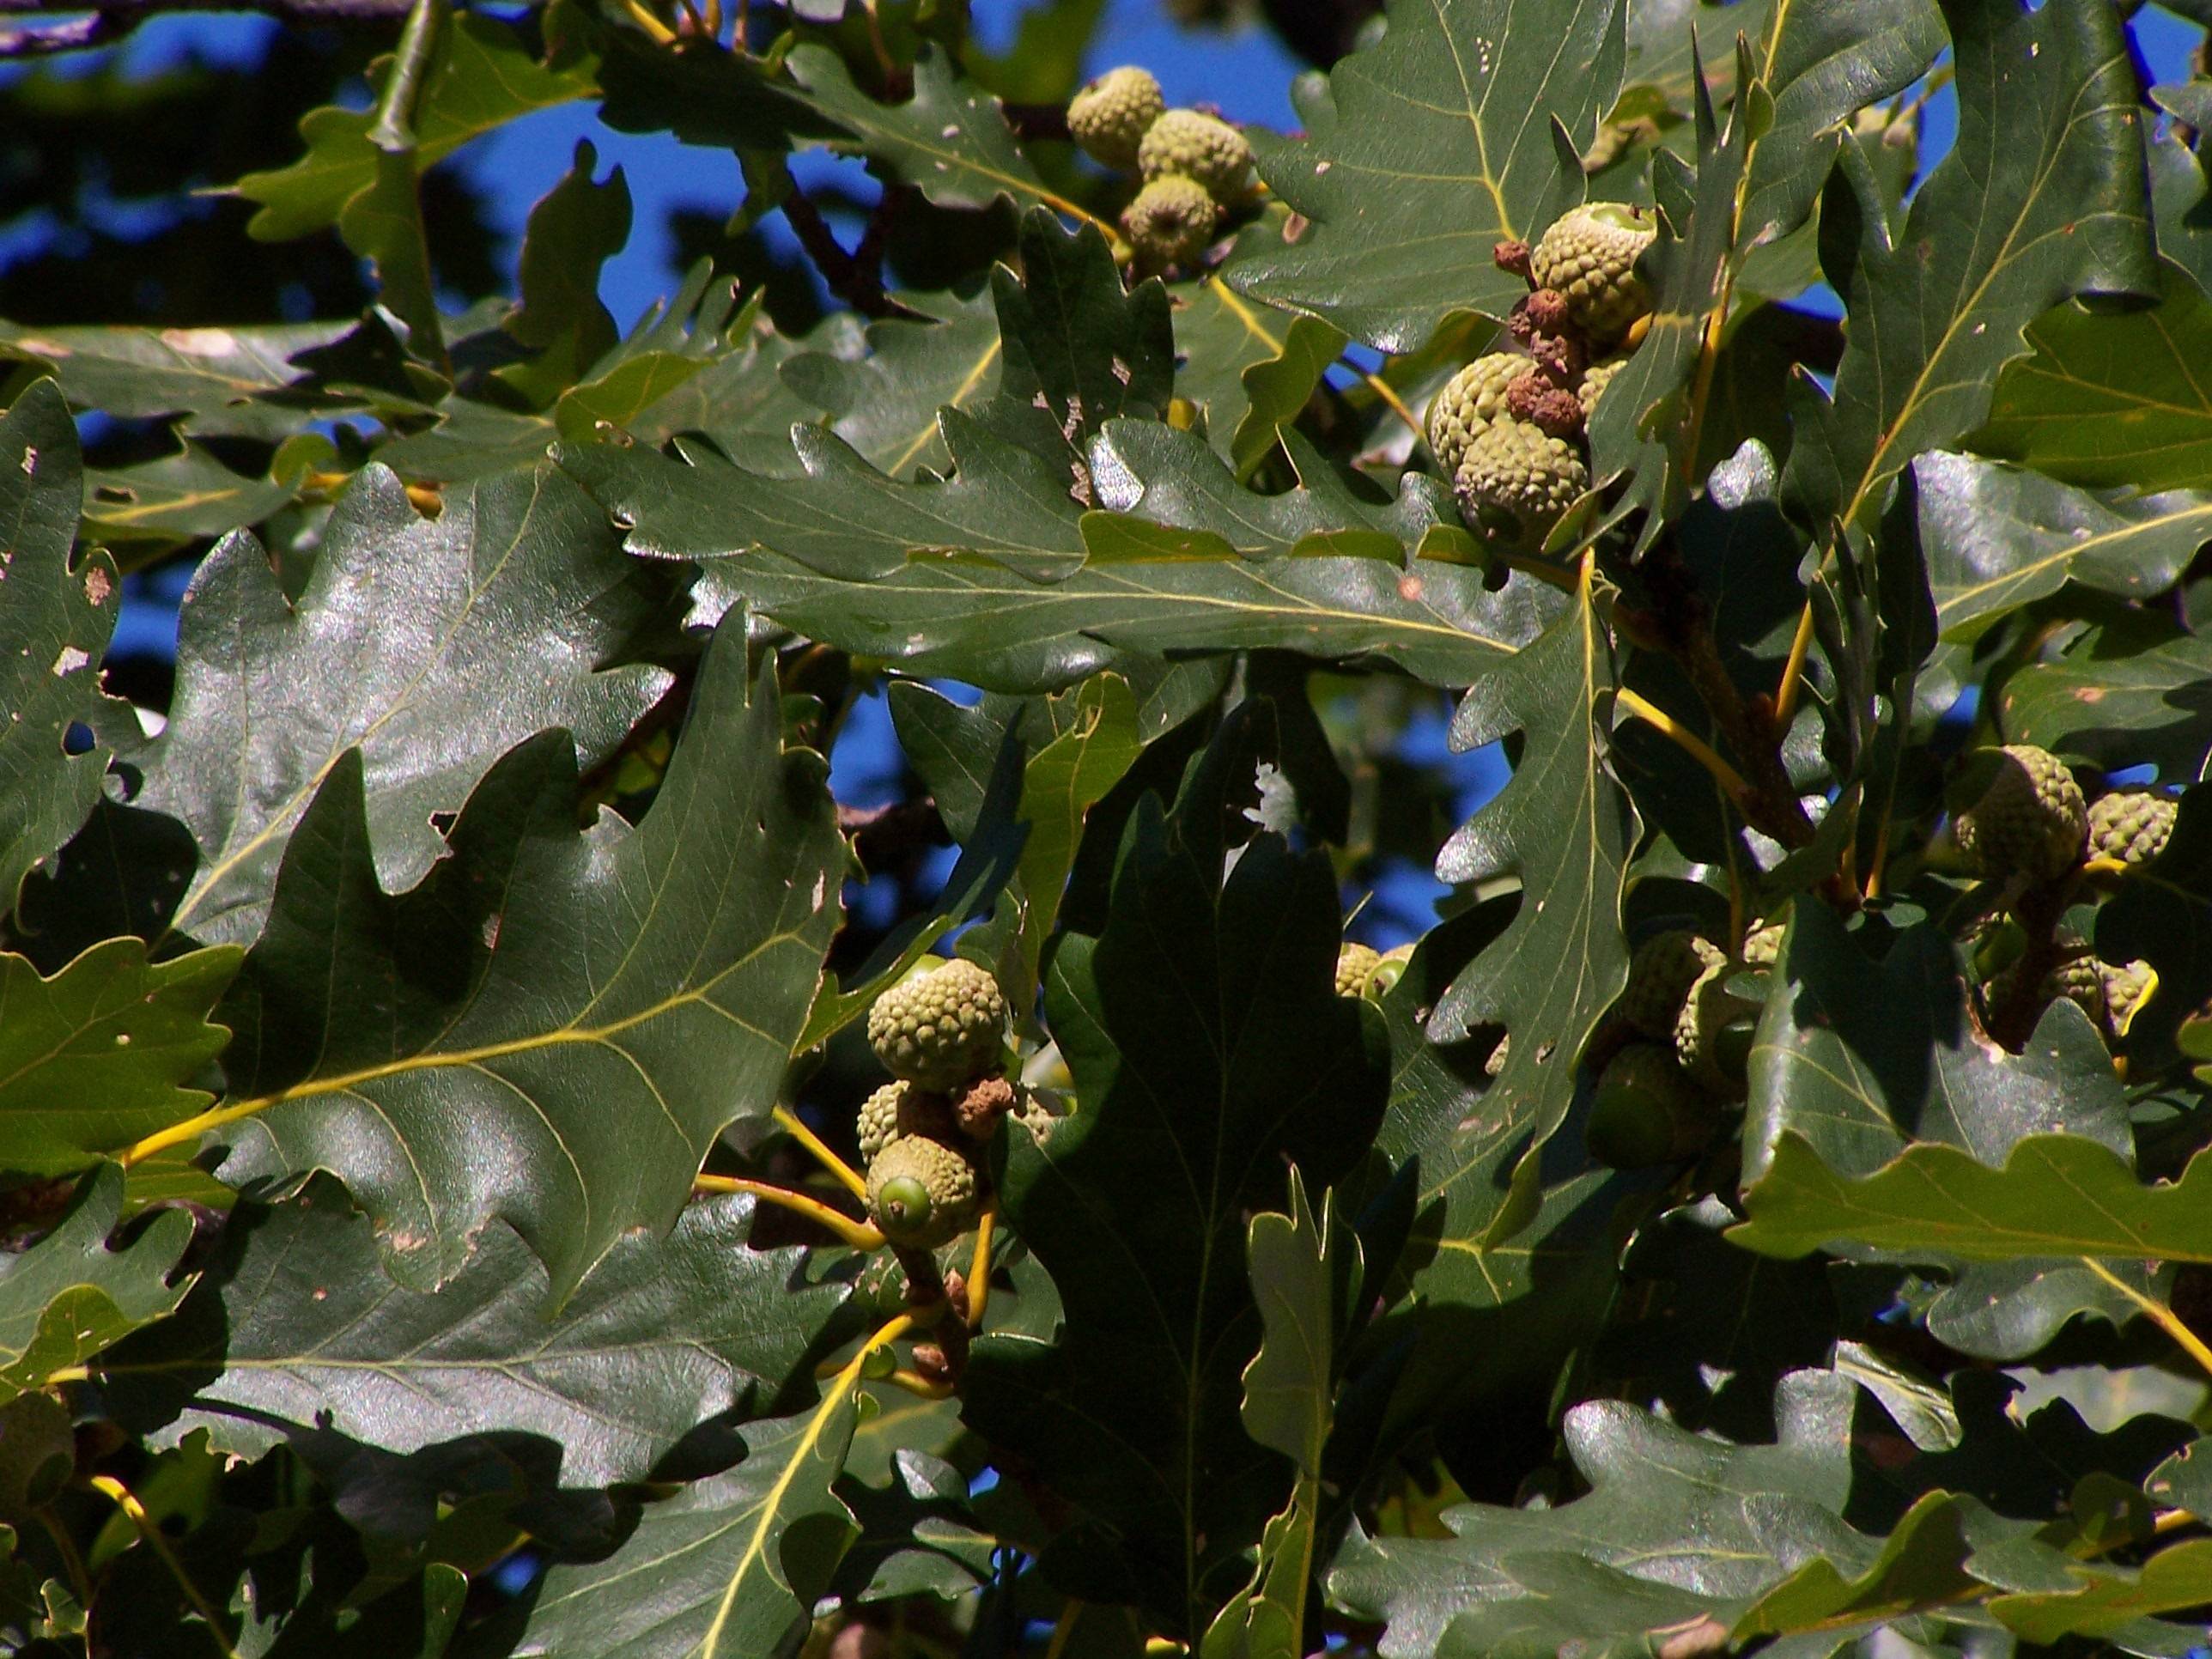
x: 1678, y: 1047
x: 941, y: 1033
x: 1363, y: 971
x: 1509, y: 429
x: 2023, y: 823
x: 1196, y: 168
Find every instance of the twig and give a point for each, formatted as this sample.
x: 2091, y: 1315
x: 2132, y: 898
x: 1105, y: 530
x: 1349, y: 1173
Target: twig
x: 847, y: 277
x: 792, y: 1125
x: 127, y: 1501
x: 860, y: 1235
x: 979, y: 1268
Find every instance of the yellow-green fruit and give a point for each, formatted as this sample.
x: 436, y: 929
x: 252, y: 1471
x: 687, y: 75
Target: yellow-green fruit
x: 922, y: 1193
x: 1598, y: 376
x: 1762, y: 946
x: 879, y: 1124
x: 2127, y: 987
x: 37, y: 1454
x: 940, y: 1029
x: 1659, y: 975
x: 1469, y: 402
x: 1354, y: 963
x: 2130, y: 825
x: 1712, y: 1035
x: 1109, y: 117
x: 1185, y: 144
x: 1170, y: 221
x: 2030, y: 823
x: 1590, y: 257
x: 1521, y: 470
x: 1646, y: 1110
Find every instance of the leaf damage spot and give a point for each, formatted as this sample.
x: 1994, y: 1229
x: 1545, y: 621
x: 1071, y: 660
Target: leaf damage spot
x: 70, y: 659
x: 200, y: 341
x: 97, y: 585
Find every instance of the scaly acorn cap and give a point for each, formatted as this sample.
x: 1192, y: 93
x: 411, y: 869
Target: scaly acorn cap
x: 1185, y: 144
x: 940, y: 1029
x: 1589, y: 256
x: 1469, y: 402
x: 1110, y: 117
x: 1169, y: 222
x: 1353, y: 965
x: 1595, y: 379
x: 1522, y: 472
x: 2029, y: 823
x: 1712, y: 1033
x: 922, y: 1193
x: 2130, y: 825
x: 1659, y: 975
x: 1646, y: 1112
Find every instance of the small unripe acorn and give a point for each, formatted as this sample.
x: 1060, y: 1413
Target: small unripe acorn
x: 1185, y: 144
x: 1170, y: 221
x: 1659, y: 975
x: 37, y: 1454
x: 2130, y: 825
x: 1712, y: 1035
x: 2029, y: 823
x: 1522, y: 472
x: 1469, y: 402
x: 940, y: 1029
x: 922, y: 1193
x: 1589, y: 256
x: 1109, y: 117
x: 1354, y: 963
x: 1646, y: 1112
x: 1595, y: 379
x: 2127, y: 987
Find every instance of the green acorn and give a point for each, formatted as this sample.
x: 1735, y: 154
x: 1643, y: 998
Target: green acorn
x: 1588, y: 256
x: 1109, y: 117
x: 1762, y: 946
x: 1170, y: 221
x: 1646, y: 1112
x: 2127, y: 987
x: 2029, y: 823
x: 37, y: 1454
x: 1712, y: 1033
x: 922, y: 1193
x: 941, y: 1028
x: 1469, y: 402
x: 1598, y: 376
x: 1659, y: 975
x: 1517, y: 469
x: 1185, y: 144
x: 2130, y: 825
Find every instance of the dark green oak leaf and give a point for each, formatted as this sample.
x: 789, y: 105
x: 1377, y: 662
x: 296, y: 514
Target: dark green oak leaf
x: 2135, y: 690
x: 101, y: 1054
x: 1207, y: 1046
x: 1563, y: 827
x: 70, y: 1296
x: 553, y: 1026
x: 55, y: 620
x: 2113, y: 398
x: 1248, y: 368
x: 285, y: 1335
x: 2041, y: 198
x: 514, y: 595
x: 1998, y: 536
x: 1427, y: 149
x: 1861, y: 1058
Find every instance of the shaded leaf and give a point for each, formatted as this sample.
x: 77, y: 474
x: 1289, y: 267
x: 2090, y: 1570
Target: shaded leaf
x: 55, y: 621
x: 1250, y: 370
x: 177, y: 496
x: 553, y: 1027
x: 98, y: 1055
x: 573, y: 230
x: 1427, y: 149
x: 2137, y: 690
x: 70, y: 1296
x: 884, y: 402
x: 726, y: 1567
x: 515, y: 595
x: 1563, y: 827
x: 1207, y: 1045
x: 2113, y: 397
x: 287, y: 1336
x: 225, y: 382
x: 1860, y: 1057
